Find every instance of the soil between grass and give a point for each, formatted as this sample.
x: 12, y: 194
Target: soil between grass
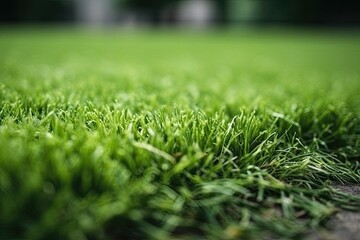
x: 345, y: 224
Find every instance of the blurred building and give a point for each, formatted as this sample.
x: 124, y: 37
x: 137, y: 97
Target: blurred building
x: 95, y: 12
x: 198, y: 13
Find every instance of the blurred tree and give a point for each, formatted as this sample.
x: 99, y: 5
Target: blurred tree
x: 36, y: 10
x: 260, y: 11
x: 223, y: 11
x: 310, y: 12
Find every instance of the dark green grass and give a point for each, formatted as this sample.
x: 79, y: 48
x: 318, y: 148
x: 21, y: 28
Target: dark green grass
x: 220, y: 135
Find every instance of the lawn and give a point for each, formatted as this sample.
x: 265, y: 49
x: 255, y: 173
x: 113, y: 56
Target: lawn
x: 176, y: 135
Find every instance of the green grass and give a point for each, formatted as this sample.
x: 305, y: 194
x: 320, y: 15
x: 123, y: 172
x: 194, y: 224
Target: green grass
x: 173, y: 135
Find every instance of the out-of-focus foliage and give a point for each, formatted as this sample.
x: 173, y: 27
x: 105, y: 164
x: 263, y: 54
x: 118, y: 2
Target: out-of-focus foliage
x: 227, y: 11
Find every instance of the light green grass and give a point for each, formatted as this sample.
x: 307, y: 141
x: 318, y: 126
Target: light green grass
x: 219, y: 135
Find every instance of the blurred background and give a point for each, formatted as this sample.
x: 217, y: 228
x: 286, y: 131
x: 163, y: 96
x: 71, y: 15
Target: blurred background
x: 194, y: 13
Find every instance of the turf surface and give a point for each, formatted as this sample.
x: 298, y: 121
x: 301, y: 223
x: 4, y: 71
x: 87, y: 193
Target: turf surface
x: 176, y: 135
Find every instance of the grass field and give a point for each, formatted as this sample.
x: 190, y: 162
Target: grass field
x: 176, y: 135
